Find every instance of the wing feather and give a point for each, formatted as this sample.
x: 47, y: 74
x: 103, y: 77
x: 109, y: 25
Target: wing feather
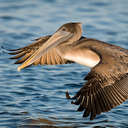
x: 25, y: 57
x: 95, y: 101
x: 50, y: 58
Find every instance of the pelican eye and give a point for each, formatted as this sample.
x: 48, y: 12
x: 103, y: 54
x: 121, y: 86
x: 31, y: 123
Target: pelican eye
x: 64, y: 29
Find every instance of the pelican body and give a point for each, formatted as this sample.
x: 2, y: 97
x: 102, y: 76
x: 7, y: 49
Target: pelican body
x: 106, y: 84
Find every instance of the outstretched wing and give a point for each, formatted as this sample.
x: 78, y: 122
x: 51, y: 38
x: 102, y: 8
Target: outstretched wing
x: 95, y: 97
x: 50, y: 58
x: 107, y: 82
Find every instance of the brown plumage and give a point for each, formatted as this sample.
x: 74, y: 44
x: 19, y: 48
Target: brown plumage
x: 49, y: 58
x: 106, y: 84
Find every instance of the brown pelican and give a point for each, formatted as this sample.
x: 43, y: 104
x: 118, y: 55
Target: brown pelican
x: 106, y: 84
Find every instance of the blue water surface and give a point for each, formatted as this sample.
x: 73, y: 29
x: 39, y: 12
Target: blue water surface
x: 35, y: 97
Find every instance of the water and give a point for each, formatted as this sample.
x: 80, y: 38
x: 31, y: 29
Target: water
x: 35, y: 97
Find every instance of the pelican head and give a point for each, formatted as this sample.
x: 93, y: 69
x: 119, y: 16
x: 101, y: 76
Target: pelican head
x: 74, y: 28
x: 68, y: 32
